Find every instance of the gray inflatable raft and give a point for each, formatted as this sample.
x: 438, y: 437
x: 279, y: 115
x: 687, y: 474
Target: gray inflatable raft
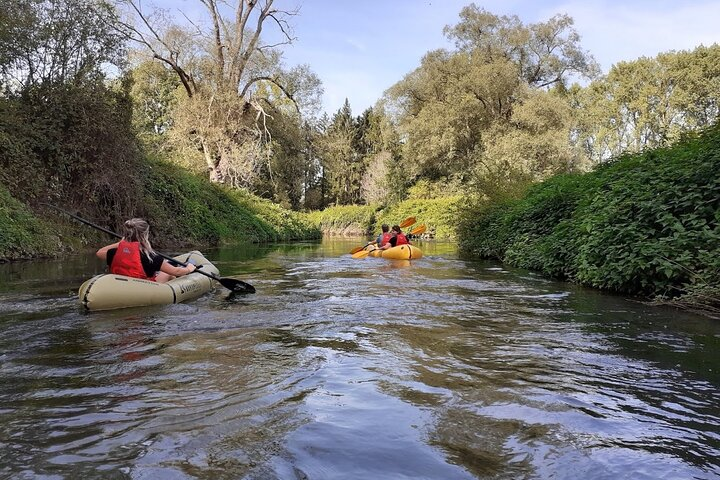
x: 109, y: 291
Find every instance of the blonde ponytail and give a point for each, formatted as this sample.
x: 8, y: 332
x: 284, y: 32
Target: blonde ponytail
x: 138, y: 230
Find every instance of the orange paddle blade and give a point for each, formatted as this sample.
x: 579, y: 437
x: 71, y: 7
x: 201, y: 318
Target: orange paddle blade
x: 407, y: 222
x: 362, y: 253
x: 418, y: 230
x: 357, y: 249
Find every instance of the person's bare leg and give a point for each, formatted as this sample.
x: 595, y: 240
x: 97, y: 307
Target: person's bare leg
x: 163, y: 277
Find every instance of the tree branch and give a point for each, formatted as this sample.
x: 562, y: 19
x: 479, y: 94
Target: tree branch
x: 274, y: 82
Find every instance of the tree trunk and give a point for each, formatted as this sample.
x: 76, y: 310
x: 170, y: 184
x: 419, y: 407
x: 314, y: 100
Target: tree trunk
x: 213, y: 163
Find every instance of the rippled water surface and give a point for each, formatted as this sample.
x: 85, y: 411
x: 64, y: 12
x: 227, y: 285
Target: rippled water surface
x: 354, y: 369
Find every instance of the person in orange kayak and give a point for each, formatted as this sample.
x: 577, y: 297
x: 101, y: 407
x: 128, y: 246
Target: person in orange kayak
x: 384, y: 237
x: 396, y: 238
x: 133, y: 256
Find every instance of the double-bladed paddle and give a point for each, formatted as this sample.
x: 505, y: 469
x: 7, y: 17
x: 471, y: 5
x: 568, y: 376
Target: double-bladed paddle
x: 405, y: 223
x: 419, y: 230
x: 236, y: 286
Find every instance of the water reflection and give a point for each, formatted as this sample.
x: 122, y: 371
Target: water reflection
x: 341, y: 368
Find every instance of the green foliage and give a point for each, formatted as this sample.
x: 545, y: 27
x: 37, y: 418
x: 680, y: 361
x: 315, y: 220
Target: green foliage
x: 345, y: 219
x: 155, y: 90
x: 642, y: 224
x: 438, y: 214
x: 648, y: 102
x: 22, y: 235
x: 519, y: 231
x: 424, y: 189
x: 44, y: 42
x: 544, y: 53
x: 343, y: 165
x: 70, y: 143
x: 652, y: 227
x: 483, y: 108
x: 187, y: 209
x: 183, y: 209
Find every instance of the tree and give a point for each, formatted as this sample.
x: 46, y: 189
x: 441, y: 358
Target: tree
x: 231, y: 78
x: 457, y: 108
x: 695, y: 76
x: 342, y: 164
x: 155, y: 95
x: 379, y: 146
x: 534, y: 144
x: 648, y: 102
x: 65, y: 133
x: 17, y: 23
x: 545, y: 53
x: 55, y: 41
x: 375, y: 187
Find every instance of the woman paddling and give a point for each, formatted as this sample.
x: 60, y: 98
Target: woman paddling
x: 133, y: 256
x: 397, y: 238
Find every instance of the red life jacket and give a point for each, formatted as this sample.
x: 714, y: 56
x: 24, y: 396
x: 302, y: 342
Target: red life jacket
x: 127, y: 261
x: 401, y: 239
x: 385, y: 238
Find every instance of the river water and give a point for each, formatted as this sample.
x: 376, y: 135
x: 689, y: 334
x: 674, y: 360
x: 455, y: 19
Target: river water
x: 337, y: 368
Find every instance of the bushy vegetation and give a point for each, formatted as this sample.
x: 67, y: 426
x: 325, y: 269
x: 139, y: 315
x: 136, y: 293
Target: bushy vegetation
x: 183, y: 209
x: 438, y: 214
x: 21, y: 234
x: 345, y: 219
x: 188, y: 209
x: 642, y: 224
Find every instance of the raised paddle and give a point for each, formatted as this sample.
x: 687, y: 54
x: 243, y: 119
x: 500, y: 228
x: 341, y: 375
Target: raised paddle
x: 405, y: 223
x: 363, y: 253
x: 419, y: 230
x: 237, y: 286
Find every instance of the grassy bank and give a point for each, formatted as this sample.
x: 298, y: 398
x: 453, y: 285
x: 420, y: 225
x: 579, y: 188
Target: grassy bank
x: 22, y: 235
x: 439, y: 215
x: 183, y: 209
x: 644, y: 224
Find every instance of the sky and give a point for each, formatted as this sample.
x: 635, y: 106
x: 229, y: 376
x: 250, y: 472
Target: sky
x: 360, y: 48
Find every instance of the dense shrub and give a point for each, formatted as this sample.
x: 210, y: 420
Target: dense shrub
x: 70, y: 143
x: 187, y: 209
x: 530, y: 232
x: 345, y: 219
x: 641, y: 224
x: 21, y: 234
x: 439, y: 215
x: 183, y: 209
x: 652, y: 225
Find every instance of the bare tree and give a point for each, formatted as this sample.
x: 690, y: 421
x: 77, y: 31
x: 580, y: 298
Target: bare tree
x: 230, y: 75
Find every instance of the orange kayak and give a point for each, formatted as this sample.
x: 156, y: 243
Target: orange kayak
x: 401, y: 252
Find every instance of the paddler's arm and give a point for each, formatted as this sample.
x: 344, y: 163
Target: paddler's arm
x: 102, y: 253
x: 176, y: 271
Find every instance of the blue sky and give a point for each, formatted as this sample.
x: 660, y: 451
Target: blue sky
x: 359, y: 48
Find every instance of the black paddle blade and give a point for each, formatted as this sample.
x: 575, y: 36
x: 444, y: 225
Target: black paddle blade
x: 237, y: 286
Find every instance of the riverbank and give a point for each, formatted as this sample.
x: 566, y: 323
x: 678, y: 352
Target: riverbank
x: 183, y: 209
x: 643, y: 224
x: 439, y: 215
